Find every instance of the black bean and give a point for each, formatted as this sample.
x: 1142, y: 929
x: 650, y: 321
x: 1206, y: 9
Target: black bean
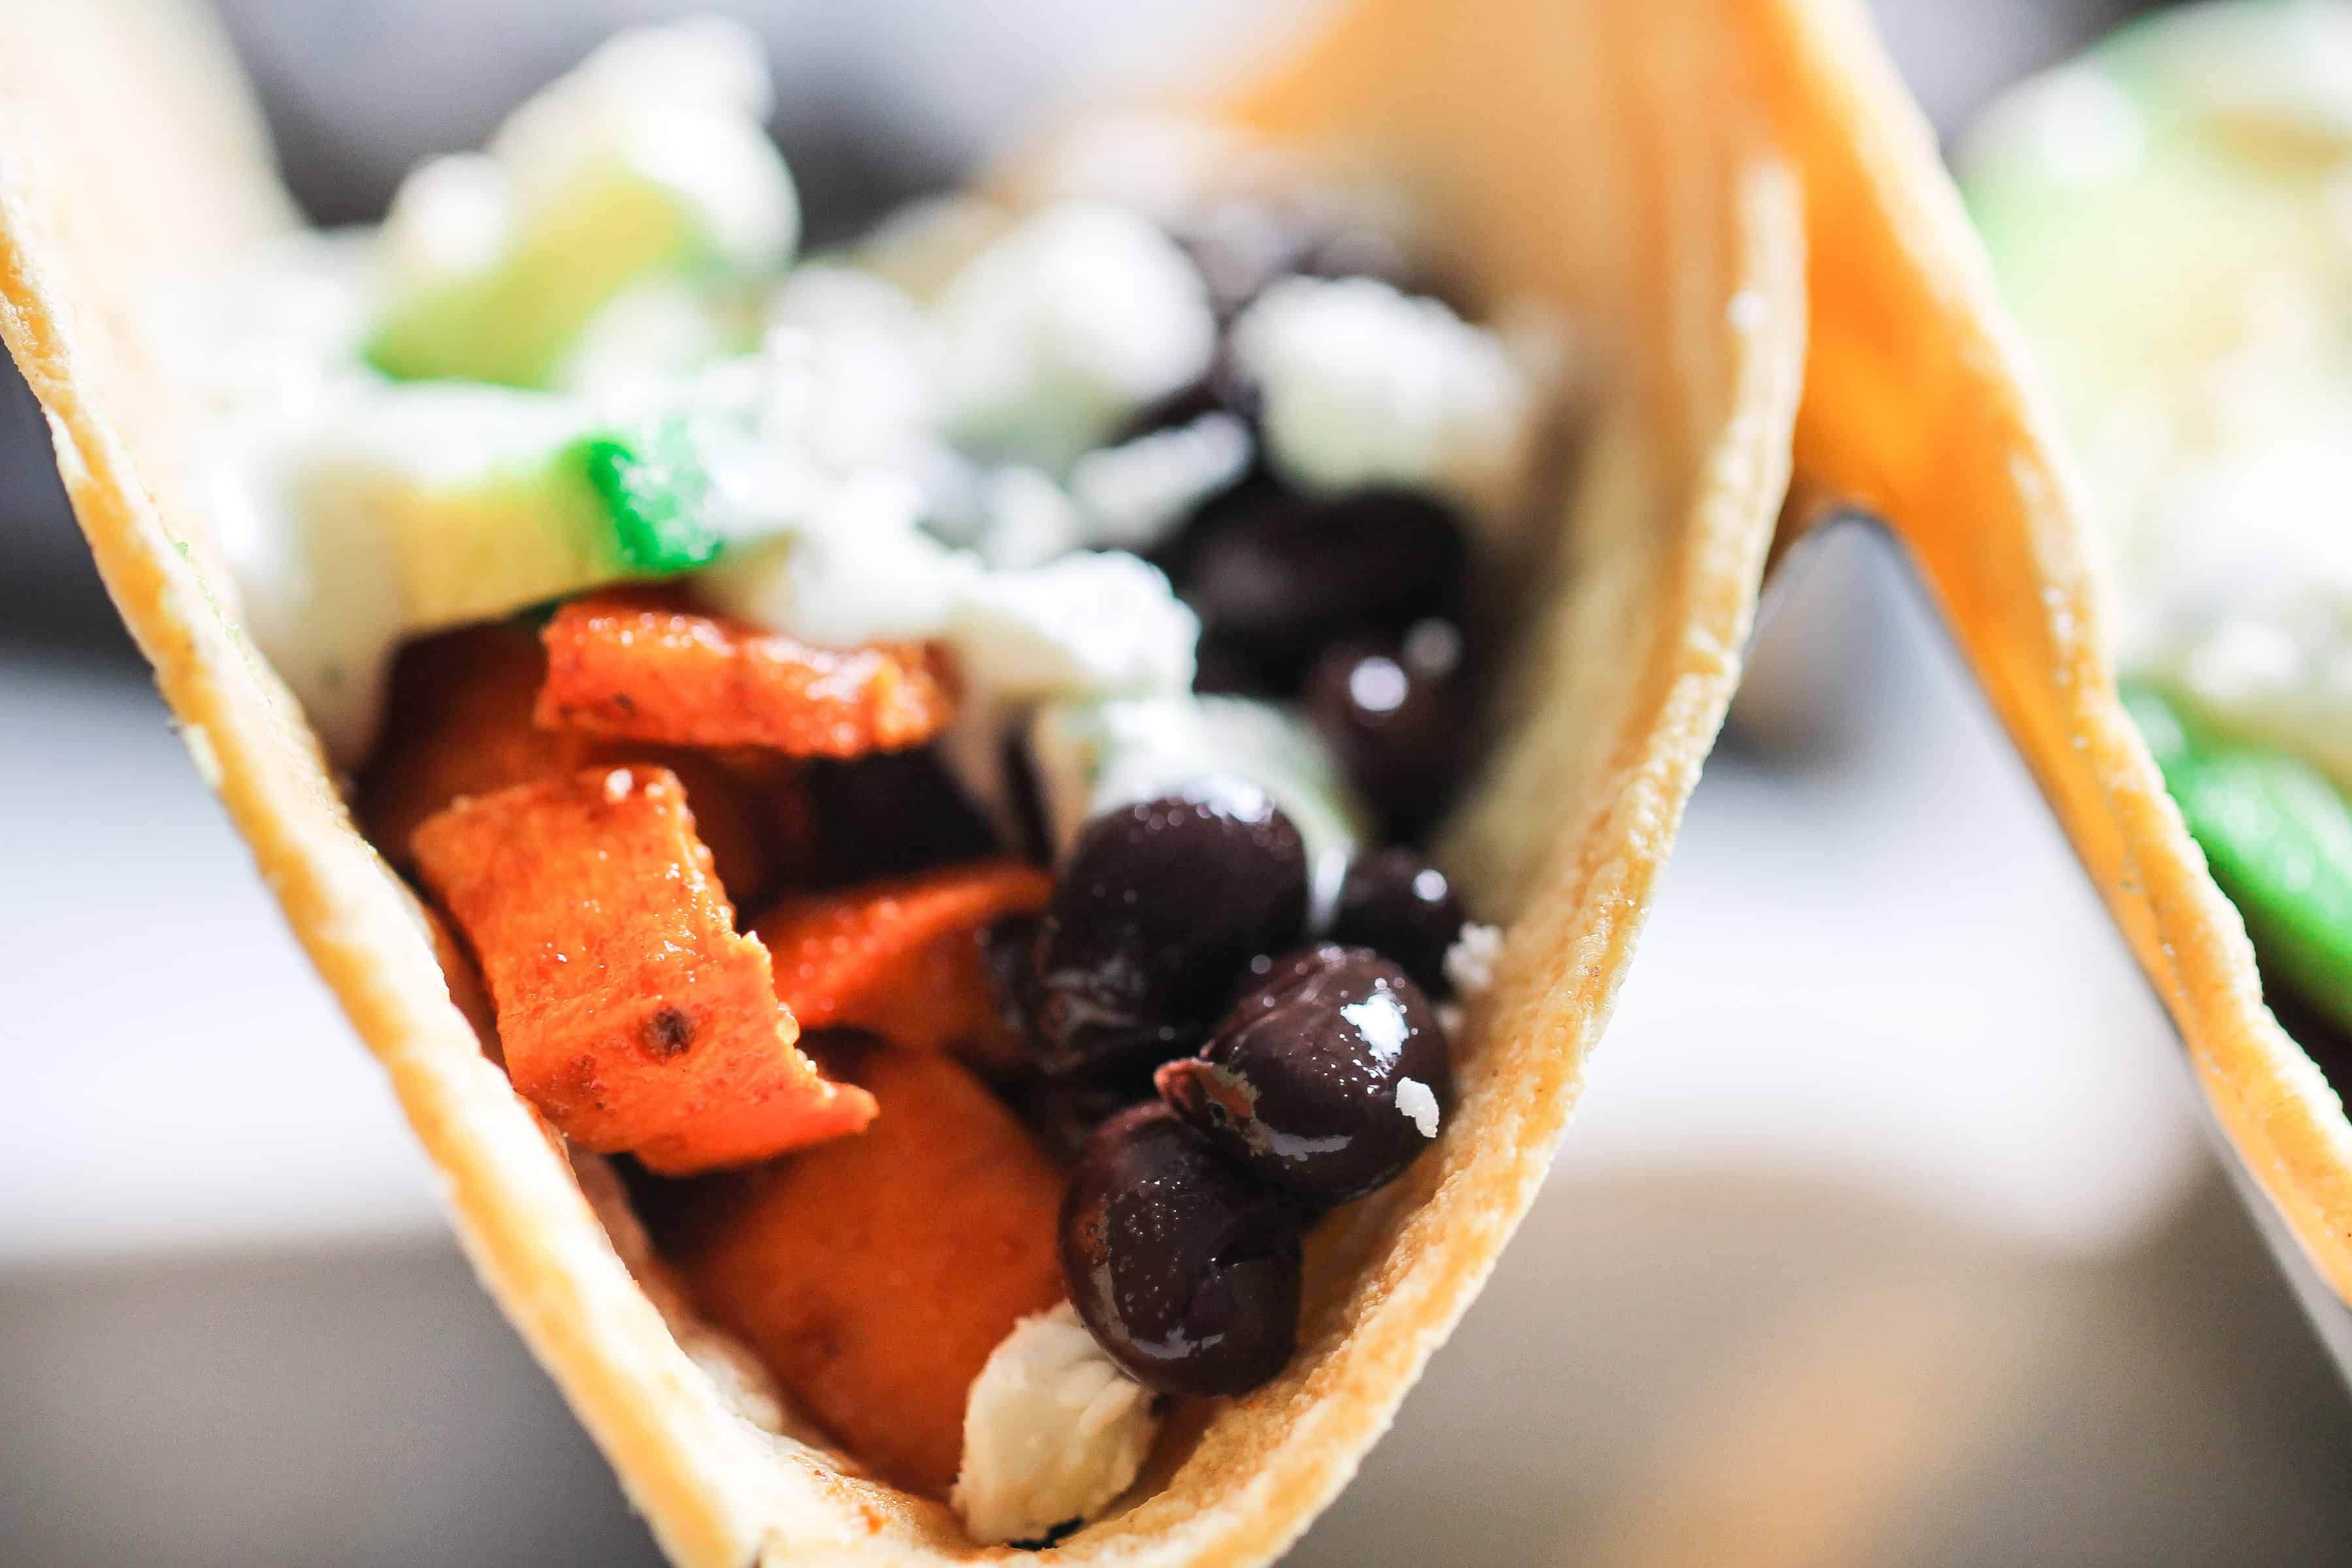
x: 1158, y: 910
x: 1327, y: 1082
x: 1402, y: 908
x: 1391, y: 711
x: 1281, y: 574
x: 1063, y: 1112
x: 1186, y: 1271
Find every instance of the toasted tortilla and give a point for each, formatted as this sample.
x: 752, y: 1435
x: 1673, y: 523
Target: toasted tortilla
x: 1920, y: 405
x: 1610, y: 157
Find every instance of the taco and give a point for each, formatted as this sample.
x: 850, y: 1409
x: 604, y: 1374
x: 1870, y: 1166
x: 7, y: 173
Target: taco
x: 2205, y: 388
x: 796, y: 767
x: 2136, y: 202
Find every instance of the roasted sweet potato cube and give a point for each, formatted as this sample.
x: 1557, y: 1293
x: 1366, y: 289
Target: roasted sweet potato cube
x: 640, y: 666
x: 902, y: 958
x: 631, y: 1012
x: 874, y: 1276
x: 460, y: 723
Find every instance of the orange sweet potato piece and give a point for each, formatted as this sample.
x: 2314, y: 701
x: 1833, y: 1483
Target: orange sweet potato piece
x: 638, y: 666
x: 874, y: 1276
x: 902, y: 958
x: 459, y: 723
x: 631, y: 1013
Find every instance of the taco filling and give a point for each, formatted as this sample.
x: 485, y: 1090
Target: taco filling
x: 923, y: 747
x: 2168, y: 219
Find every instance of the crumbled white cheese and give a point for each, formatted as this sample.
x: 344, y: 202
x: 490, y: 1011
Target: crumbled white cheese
x: 641, y: 340
x: 1417, y: 1102
x: 681, y: 108
x: 1470, y: 962
x: 1053, y: 1431
x: 1132, y: 497
x: 1025, y: 519
x: 917, y: 248
x: 1091, y: 757
x: 870, y: 362
x: 2075, y: 125
x: 319, y: 519
x: 1063, y: 328
x: 837, y: 390
x: 450, y: 217
x: 2238, y: 583
x: 1137, y: 494
x: 857, y: 570
x: 276, y: 339
x: 1086, y: 625
x: 1363, y: 385
x: 684, y: 105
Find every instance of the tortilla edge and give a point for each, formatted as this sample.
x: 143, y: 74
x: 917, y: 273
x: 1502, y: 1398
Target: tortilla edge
x: 1879, y: 193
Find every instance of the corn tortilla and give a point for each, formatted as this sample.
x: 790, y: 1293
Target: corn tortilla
x: 1611, y: 157
x: 1921, y: 406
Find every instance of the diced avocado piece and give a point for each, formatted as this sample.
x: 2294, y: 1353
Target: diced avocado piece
x: 513, y: 322
x: 648, y: 162
x: 602, y: 509
x: 2278, y: 835
x: 488, y: 502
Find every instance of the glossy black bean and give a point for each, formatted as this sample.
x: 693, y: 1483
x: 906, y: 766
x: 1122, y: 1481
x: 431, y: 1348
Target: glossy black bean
x: 1282, y: 574
x: 1159, y: 908
x: 1393, y: 714
x: 1186, y: 1270
x: 1061, y: 1113
x: 1396, y: 903
x: 1327, y: 1082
